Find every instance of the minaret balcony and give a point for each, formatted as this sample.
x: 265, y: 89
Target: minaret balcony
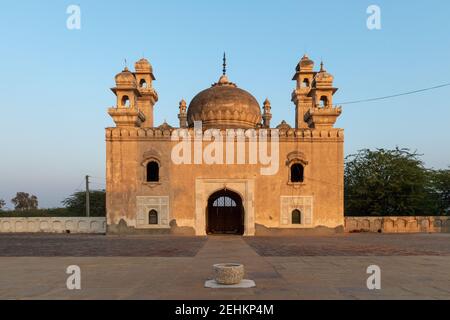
x: 126, y: 117
x: 322, y: 118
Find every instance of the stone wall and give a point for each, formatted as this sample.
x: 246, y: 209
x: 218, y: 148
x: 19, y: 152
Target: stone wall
x: 53, y: 225
x: 397, y: 224
x: 128, y: 150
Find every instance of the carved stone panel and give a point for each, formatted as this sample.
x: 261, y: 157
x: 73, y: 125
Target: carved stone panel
x: 291, y: 203
x: 145, y: 204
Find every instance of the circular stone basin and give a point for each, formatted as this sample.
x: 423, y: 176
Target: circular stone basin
x: 228, y: 273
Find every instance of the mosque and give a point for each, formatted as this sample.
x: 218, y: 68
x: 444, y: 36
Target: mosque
x: 224, y: 169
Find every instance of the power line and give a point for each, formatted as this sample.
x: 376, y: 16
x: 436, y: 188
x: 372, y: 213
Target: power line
x: 97, y: 185
x: 78, y: 188
x: 395, y: 95
x: 97, y: 178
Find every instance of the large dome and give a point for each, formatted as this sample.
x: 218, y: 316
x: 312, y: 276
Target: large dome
x: 224, y: 105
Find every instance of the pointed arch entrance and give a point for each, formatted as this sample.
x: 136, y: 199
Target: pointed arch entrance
x: 225, y: 213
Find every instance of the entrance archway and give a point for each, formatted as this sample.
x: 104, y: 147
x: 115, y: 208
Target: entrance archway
x: 225, y: 213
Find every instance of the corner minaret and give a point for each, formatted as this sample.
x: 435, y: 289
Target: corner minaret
x: 148, y: 96
x: 323, y: 114
x: 323, y: 90
x: 304, y: 76
x: 182, y: 116
x: 267, y: 115
x: 126, y: 112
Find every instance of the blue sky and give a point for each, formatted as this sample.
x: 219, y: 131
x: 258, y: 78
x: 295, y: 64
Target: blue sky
x: 55, y: 82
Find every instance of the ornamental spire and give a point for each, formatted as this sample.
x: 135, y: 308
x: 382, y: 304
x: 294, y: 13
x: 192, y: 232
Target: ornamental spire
x: 224, y: 64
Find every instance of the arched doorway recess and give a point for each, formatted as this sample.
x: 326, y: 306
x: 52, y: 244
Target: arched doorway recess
x: 225, y: 213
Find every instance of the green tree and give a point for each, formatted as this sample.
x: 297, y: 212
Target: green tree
x: 2, y: 204
x: 440, y: 182
x: 77, y: 203
x: 23, y: 201
x: 387, y: 182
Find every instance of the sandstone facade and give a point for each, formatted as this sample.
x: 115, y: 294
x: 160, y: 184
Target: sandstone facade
x: 149, y: 191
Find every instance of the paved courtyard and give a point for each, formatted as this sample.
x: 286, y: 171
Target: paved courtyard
x: 162, y: 267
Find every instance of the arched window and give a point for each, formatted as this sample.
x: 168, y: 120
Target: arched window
x: 297, y: 173
x: 305, y: 83
x: 143, y: 83
x: 323, y: 101
x: 296, y: 217
x: 125, y: 101
x: 153, y: 217
x: 152, y: 171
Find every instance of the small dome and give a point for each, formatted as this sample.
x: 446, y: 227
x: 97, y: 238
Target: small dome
x: 143, y: 66
x: 165, y: 126
x: 183, y: 106
x: 323, y: 75
x: 224, y: 105
x: 305, y: 64
x: 284, y: 126
x: 125, y: 78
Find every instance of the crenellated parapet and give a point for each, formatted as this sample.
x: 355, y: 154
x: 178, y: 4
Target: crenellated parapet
x: 167, y: 133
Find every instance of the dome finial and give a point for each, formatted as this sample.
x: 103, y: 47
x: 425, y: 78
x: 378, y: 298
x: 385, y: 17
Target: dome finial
x: 224, y: 64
